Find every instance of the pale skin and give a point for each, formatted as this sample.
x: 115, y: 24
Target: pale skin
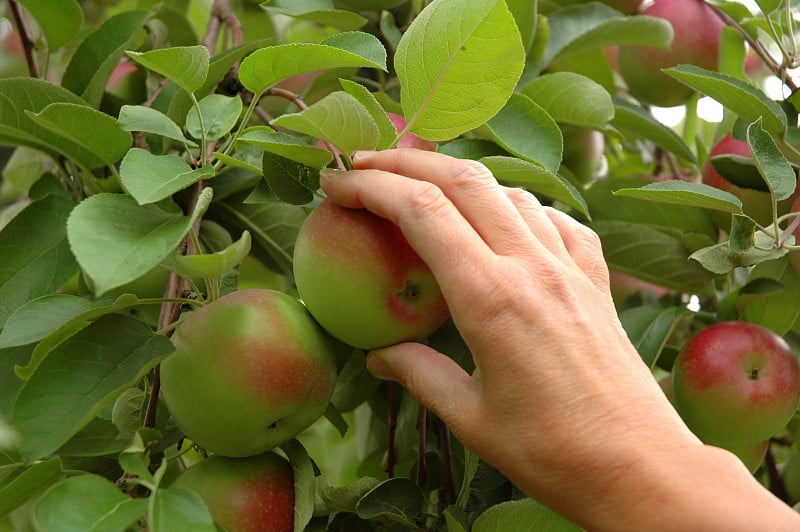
x: 560, y: 401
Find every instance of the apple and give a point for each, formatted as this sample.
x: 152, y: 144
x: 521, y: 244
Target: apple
x: 696, y: 41
x: 583, y: 152
x: 735, y: 383
x: 409, y: 140
x: 751, y: 454
x: 757, y: 204
x: 244, y: 494
x: 362, y: 281
x: 250, y: 371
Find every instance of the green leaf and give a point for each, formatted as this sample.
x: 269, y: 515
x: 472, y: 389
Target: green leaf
x: 583, y: 27
x: 73, y: 324
x: 572, y: 98
x: 149, y: 120
x: 180, y: 509
x: 273, y: 226
x: 362, y: 44
x: 290, y: 181
x: 60, y: 20
x: 685, y: 193
x: 36, y: 256
x: 21, y: 97
x: 267, y: 66
x: 213, y: 264
x: 386, y: 128
x: 649, y: 328
x: 99, y: 53
x: 98, y: 438
x: 87, y: 503
x: 135, y: 458
x: 303, y: 483
x: 109, y: 356
x: 98, y: 139
x: 187, y: 66
x: 777, y: 310
x: 330, y: 499
x: 524, y: 515
x: 287, y: 146
x: 635, y: 122
x: 220, y: 65
x: 319, y: 11
x: 133, y: 240
x: 458, y: 64
x: 38, y: 317
x: 723, y: 258
x: 773, y: 166
x: 739, y: 96
x: 31, y: 482
x: 398, y: 498
x: 151, y: 178
x: 220, y: 113
x: 739, y: 170
x: 518, y: 173
x: 652, y: 256
x: 524, y: 129
x: 742, y: 234
x: 338, y: 118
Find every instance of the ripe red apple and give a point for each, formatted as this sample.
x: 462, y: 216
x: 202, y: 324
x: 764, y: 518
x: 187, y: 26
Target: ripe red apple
x: 736, y: 383
x: 756, y: 204
x: 410, y: 140
x: 245, y: 494
x: 362, y: 281
x: 249, y: 372
x: 697, y: 32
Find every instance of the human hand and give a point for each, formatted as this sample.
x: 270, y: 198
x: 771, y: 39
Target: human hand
x: 560, y: 400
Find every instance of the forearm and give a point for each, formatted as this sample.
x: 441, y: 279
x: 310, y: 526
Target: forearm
x: 704, y: 488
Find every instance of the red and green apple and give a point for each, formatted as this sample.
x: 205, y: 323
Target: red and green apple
x: 250, y: 371
x: 362, y: 281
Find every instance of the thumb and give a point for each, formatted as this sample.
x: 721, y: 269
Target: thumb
x: 435, y: 380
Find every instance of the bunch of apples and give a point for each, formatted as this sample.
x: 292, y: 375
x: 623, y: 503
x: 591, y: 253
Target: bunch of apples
x: 736, y: 384
x: 254, y: 368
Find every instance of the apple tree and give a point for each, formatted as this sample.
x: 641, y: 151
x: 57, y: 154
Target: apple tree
x: 159, y: 159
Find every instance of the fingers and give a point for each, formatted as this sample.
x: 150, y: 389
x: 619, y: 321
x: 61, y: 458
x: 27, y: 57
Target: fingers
x: 538, y: 222
x: 583, y: 246
x: 469, y: 185
x: 436, y: 381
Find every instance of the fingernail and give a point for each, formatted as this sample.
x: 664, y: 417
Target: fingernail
x: 362, y: 155
x: 330, y: 172
x: 380, y: 368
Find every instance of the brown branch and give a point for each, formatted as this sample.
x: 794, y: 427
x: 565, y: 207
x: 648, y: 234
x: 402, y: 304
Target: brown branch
x: 391, y: 390
x: 221, y: 13
x: 422, y: 437
x: 448, y: 493
x: 24, y: 37
x: 757, y: 46
x: 775, y: 482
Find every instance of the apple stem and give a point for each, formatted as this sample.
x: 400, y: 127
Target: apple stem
x: 775, y: 483
x: 422, y: 433
x: 448, y: 492
x: 391, y: 391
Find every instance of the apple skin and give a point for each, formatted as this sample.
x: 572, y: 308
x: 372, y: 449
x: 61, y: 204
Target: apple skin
x: 249, y: 372
x: 697, y: 34
x: 751, y: 454
x: 756, y: 204
x: 409, y: 140
x: 735, y: 383
x: 244, y: 494
x: 362, y: 281
x: 583, y: 152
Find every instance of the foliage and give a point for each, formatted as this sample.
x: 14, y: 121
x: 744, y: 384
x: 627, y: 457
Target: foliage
x: 186, y: 138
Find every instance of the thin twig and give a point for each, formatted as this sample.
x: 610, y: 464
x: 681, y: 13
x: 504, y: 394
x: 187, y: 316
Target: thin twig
x: 422, y: 437
x: 391, y: 391
x: 448, y: 492
x: 24, y: 37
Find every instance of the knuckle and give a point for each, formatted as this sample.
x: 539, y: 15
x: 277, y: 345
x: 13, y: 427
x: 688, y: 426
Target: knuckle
x: 426, y: 198
x: 469, y: 173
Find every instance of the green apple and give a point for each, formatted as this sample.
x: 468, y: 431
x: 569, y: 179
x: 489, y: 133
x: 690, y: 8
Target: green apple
x: 249, y: 372
x: 757, y: 204
x: 244, y: 494
x: 696, y: 41
x: 362, y: 281
x: 583, y: 152
x: 751, y: 454
x: 736, y: 383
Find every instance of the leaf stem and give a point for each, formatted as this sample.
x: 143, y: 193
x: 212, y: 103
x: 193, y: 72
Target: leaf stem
x: 24, y: 37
